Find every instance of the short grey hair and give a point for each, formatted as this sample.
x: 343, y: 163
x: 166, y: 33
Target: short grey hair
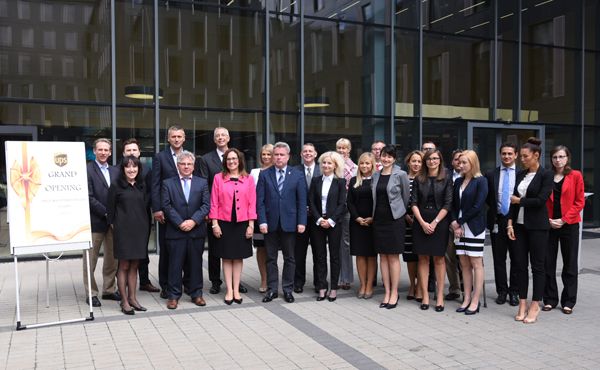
x: 102, y: 140
x: 220, y: 128
x: 281, y: 144
x: 185, y: 154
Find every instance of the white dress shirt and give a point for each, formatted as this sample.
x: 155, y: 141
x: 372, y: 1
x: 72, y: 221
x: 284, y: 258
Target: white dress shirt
x: 327, y: 180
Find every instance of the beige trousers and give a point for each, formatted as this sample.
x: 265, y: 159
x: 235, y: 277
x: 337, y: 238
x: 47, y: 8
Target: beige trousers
x: 109, y: 265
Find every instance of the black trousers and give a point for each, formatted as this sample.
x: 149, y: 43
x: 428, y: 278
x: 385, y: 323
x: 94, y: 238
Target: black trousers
x: 320, y: 238
x: 163, y: 258
x: 300, y: 252
x: 568, y: 236
x: 531, y: 248
x: 214, y: 262
x: 275, y: 240
x: 501, y: 244
x: 184, y: 252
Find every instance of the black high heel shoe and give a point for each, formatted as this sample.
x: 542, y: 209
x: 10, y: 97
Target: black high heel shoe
x: 322, y: 298
x: 228, y: 301
x: 139, y: 308
x: 383, y: 305
x: 131, y: 311
x: 238, y: 301
x: 330, y: 298
x: 424, y: 306
x: 463, y: 309
x: 392, y: 306
x: 469, y: 312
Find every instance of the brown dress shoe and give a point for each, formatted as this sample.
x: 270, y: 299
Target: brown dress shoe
x: 172, y: 304
x: 199, y: 301
x: 149, y: 288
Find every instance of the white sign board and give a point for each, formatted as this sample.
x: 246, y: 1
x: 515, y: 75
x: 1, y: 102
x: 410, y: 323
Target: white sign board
x: 48, y: 205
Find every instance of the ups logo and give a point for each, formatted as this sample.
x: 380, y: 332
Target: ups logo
x: 60, y: 159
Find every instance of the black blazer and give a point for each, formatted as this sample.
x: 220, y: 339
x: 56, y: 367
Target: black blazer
x: 208, y: 166
x: 316, y: 173
x: 98, y: 195
x: 472, y: 203
x: 163, y: 167
x: 534, y: 202
x: 442, y: 192
x: 336, y: 199
x: 178, y: 210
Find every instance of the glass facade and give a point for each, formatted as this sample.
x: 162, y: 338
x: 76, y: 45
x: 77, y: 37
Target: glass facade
x: 464, y: 73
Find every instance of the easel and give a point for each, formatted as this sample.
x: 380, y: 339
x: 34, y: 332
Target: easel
x: 51, y: 248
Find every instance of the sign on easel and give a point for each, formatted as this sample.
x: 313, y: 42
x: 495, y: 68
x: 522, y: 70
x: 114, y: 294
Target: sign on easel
x: 48, y: 204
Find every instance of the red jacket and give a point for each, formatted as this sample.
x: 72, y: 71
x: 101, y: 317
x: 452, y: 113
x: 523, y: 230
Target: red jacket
x: 572, y: 199
x: 221, y: 198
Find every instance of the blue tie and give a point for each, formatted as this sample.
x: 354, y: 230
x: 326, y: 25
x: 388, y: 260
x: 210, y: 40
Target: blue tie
x: 186, y: 188
x: 504, y: 204
x: 280, y: 181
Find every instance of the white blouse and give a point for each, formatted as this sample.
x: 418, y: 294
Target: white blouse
x: 522, y: 190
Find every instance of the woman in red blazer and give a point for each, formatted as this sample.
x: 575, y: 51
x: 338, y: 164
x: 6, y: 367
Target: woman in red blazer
x: 233, y: 211
x: 564, y: 210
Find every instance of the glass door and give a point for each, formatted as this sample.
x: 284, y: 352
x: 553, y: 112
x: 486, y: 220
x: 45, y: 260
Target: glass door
x: 486, y: 138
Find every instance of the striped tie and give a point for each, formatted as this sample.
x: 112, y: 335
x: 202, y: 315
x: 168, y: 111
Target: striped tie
x: 280, y: 181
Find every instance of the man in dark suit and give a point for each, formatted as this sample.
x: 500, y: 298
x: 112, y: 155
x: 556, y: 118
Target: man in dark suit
x: 164, y: 167
x: 208, y: 166
x: 185, y: 203
x: 131, y: 147
x: 100, y: 174
x: 501, y: 183
x: 281, y: 207
x: 310, y: 168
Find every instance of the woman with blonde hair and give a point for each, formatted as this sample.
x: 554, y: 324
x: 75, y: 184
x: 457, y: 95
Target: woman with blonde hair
x: 258, y: 239
x: 468, y: 225
x: 360, y: 206
x: 327, y: 205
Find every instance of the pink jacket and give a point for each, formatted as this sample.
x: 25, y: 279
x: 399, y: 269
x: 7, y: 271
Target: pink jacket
x: 221, y: 198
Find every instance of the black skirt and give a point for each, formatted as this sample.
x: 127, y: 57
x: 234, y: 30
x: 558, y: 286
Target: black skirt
x: 233, y: 244
x: 361, y: 240
x: 389, y: 236
x: 434, y: 244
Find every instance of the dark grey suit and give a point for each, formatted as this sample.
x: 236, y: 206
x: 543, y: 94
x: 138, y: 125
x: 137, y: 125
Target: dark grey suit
x: 302, y: 240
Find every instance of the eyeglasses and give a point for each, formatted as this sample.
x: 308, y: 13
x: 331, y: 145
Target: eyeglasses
x: 432, y: 159
x: 231, y: 159
x: 556, y: 157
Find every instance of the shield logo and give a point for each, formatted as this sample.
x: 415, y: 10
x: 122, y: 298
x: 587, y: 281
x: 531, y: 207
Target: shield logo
x: 60, y: 159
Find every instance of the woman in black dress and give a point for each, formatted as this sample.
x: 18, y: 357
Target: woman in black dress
x: 391, y: 194
x: 360, y: 206
x: 233, y: 211
x: 413, y: 161
x: 327, y: 205
x: 128, y: 213
x: 431, y: 201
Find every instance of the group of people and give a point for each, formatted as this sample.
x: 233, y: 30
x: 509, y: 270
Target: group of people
x: 435, y: 217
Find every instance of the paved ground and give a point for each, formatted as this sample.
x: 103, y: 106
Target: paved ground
x: 348, y: 333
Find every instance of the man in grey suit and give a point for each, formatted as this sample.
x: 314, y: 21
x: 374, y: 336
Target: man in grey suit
x: 310, y: 168
x: 100, y: 174
x: 208, y: 166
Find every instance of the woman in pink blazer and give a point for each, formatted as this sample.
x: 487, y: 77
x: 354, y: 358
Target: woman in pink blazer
x: 233, y: 212
x: 564, y: 209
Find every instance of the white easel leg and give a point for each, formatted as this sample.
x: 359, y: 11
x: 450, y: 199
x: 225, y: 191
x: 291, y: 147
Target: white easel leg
x: 87, y: 255
x: 17, y: 295
x: 47, y: 283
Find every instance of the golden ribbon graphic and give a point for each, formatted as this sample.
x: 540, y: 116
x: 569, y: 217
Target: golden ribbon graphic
x: 25, y: 180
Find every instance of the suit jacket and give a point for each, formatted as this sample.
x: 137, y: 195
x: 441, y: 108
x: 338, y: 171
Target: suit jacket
x: 336, y: 199
x: 163, y: 167
x: 287, y: 209
x: 178, y: 210
x: 572, y: 198
x: 222, y: 194
x: 472, y: 203
x: 208, y: 166
x: 98, y: 195
x: 398, y: 191
x: 316, y: 173
x: 534, y: 202
x: 442, y: 191
x: 493, y: 180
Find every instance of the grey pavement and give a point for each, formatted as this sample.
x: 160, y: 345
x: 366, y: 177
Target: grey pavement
x: 348, y: 333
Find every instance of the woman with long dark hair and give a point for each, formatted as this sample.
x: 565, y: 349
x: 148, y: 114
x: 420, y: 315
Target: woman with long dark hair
x: 564, y: 207
x: 128, y: 213
x: 528, y: 225
x: 414, y: 162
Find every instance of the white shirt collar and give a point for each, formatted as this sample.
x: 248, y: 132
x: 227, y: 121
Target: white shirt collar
x: 514, y: 166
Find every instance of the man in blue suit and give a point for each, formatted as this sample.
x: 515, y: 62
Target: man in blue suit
x: 185, y: 203
x: 100, y: 174
x: 164, y: 167
x: 281, y: 207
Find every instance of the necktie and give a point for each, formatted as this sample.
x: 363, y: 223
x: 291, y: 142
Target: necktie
x: 308, y: 176
x: 280, y: 181
x: 105, y: 174
x: 505, y: 192
x: 186, y: 188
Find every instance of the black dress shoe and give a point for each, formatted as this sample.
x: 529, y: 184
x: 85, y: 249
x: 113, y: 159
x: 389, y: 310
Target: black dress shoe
x: 298, y: 290
x: 439, y: 308
x: 131, y: 311
x: 289, y: 298
x: 238, y: 301
x: 392, y: 306
x: 501, y: 299
x: 514, y: 299
x: 424, y: 306
x: 269, y: 296
x: 228, y: 301
x: 383, y: 305
x: 215, y: 289
x: 96, y: 302
x: 452, y: 296
x: 112, y: 296
x: 461, y: 309
x: 139, y: 307
x: 321, y: 298
x: 163, y: 294
x: 242, y: 289
x: 469, y: 312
